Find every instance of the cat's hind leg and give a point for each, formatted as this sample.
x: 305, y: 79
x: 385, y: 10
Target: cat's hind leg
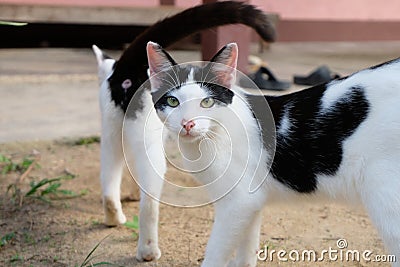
x: 381, y: 197
x: 111, y: 164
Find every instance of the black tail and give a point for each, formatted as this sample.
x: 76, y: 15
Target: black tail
x: 133, y: 62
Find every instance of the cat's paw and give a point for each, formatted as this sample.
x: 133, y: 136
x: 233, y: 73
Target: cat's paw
x: 148, y: 252
x: 113, y: 215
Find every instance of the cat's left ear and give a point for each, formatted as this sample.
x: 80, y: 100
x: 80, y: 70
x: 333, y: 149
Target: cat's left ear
x: 225, y: 71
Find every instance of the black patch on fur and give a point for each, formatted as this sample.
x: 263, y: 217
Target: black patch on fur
x: 315, y: 143
x: 258, y: 105
x: 218, y: 92
x: 133, y: 62
x: 136, y: 104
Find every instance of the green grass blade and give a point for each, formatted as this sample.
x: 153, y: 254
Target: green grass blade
x: 89, y: 256
x: 51, y: 189
x: 35, y: 186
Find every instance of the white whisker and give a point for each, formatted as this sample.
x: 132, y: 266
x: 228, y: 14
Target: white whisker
x: 172, y: 84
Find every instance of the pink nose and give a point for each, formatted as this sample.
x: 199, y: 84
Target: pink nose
x: 188, y: 125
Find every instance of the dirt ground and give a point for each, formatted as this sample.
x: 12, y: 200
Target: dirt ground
x: 63, y: 232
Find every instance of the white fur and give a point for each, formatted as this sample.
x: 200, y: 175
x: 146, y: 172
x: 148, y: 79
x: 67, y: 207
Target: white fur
x: 285, y: 124
x: 142, y: 135
x: 369, y: 173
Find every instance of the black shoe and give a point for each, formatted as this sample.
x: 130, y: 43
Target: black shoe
x: 320, y: 75
x: 265, y: 79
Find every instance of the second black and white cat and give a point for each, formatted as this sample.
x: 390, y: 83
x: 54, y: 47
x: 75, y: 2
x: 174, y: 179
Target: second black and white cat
x: 339, y: 140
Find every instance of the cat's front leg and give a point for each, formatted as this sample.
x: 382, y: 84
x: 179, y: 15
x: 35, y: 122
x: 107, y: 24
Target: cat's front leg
x: 151, y: 170
x: 148, y: 249
x: 232, y: 221
x: 246, y: 254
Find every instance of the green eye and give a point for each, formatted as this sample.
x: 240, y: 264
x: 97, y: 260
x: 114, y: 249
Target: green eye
x: 207, y: 102
x: 172, y: 101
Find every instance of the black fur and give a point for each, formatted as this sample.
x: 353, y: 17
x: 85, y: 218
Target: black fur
x: 221, y: 94
x: 314, y: 145
x: 133, y: 62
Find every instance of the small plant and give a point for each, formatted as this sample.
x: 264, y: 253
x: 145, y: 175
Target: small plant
x: 134, y: 225
x: 6, y: 239
x: 88, y: 261
x: 47, y: 189
x: 87, y: 140
x: 7, y: 165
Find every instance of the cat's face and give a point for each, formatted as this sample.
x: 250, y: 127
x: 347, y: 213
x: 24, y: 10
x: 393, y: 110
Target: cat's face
x: 190, y: 99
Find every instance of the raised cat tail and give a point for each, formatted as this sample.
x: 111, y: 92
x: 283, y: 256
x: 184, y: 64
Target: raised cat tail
x: 172, y: 29
x: 133, y: 63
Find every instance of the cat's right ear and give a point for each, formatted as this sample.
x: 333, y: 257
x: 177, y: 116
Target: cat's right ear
x: 159, y: 60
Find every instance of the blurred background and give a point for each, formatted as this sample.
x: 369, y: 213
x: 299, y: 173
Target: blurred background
x: 75, y: 23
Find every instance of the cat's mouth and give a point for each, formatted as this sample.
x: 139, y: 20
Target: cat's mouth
x: 189, y: 136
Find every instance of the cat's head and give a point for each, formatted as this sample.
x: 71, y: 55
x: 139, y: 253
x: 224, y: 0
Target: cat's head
x: 190, y: 99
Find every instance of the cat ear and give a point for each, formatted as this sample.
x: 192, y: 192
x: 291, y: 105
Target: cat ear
x: 158, y: 58
x: 104, y: 63
x: 225, y: 70
x: 100, y: 55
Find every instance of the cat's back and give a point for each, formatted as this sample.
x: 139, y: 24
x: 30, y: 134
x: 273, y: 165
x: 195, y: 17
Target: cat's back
x: 379, y: 88
x: 380, y: 83
x: 354, y: 117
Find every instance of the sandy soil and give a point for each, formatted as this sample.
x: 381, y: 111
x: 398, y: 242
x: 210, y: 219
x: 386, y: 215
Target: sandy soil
x: 63, y: 232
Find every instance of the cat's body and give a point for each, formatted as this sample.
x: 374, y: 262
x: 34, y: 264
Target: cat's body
x: 119, y: 81
x: 335, y: 141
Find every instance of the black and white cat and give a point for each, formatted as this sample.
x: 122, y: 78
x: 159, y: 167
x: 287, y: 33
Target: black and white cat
x: 119, y: 81
x: 339, y: 140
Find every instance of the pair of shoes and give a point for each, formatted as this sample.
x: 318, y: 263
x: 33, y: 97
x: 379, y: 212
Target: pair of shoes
x: 265, y: 79
x: 320, y: 75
